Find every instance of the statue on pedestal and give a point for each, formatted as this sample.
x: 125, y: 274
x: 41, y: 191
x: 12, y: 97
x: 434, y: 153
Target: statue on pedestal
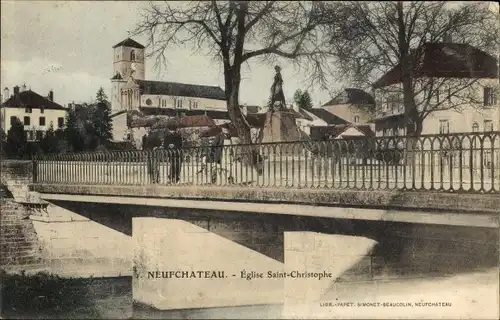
x: 277, y: 96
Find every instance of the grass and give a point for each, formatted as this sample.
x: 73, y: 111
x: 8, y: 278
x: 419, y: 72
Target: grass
x: 46, y: 296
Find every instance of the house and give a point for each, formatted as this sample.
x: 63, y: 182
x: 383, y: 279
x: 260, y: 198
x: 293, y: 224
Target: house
x: 35, y: 111
x: 353, y: 105
x: 460, y: 74
x: 131, y: 91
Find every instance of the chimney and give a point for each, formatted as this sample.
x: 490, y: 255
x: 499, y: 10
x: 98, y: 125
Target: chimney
x: 23, y: 88
x: 16, y: 90
x: 5, y: 94
x: 51, y: 95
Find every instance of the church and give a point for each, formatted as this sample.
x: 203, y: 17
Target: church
x: 132, y: 94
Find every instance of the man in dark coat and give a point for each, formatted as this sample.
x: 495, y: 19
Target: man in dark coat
x: 214, y: 155
x: 152, y: 143
x: 173, y: 142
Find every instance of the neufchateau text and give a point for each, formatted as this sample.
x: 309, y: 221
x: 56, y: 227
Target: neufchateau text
x: 243, y: 274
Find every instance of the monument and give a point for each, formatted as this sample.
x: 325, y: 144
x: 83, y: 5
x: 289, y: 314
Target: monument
x: 280, y: 124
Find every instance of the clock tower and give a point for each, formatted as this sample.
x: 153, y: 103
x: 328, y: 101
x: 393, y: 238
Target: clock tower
x: 128, y: 61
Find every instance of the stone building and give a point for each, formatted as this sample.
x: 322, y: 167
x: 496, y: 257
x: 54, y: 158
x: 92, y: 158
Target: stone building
x: 132, y: 92
x: 35, y: 111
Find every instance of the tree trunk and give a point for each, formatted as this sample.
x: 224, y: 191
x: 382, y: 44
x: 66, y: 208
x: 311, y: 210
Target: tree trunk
x: 234, y: 110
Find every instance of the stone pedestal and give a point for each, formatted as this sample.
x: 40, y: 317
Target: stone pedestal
x: 280, y: 126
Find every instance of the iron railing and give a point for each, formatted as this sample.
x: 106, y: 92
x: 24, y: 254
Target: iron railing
x: 454, y: 162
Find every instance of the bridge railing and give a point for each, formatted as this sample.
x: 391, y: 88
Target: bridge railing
x: 455, y: 162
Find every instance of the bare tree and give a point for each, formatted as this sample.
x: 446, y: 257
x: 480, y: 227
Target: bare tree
x: 383, y: 36
x: 235, y: 32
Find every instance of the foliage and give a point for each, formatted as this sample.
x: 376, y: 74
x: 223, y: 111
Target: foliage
x: 379, y: 36
x: 101, y: 97
x: 236, y: 32
x: 16, y: 144
x: 49, y: 143
x: 73, y: 133
x: 102, y: 127
x: 45, y: 296
x: 303, y: 99
x: 3, y: 143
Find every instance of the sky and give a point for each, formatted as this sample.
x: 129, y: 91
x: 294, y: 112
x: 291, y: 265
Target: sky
x: 67, y: 47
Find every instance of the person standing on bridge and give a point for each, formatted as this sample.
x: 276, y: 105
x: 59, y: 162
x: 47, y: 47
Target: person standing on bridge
x: 215, y: 156
x: 173, y: 142
x: 152, y: 143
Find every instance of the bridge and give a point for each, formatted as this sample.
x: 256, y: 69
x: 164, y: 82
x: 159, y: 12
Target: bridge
x: 415, y: 207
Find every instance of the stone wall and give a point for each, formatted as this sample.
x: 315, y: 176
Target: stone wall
x: 20, y: 248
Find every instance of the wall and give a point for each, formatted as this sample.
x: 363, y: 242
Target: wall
x: 120, y: 128
x: 59, y: 241
x: 460, y: 120
x: 464, y: 108
x: 49, y: 114
x: 116, y: 102
x: 122, y: 62
x: 76, y: 246
x: 19, y: 244
x: 164, y: 101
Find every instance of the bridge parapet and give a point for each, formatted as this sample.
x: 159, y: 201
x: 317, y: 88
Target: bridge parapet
x: 452, y: 163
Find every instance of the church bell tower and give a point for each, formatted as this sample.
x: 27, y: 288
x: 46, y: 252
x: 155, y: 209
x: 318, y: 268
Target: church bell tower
x: 128, y: 61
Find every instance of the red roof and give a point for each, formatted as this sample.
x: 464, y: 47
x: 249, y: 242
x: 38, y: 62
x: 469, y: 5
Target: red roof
x: 454, y: 60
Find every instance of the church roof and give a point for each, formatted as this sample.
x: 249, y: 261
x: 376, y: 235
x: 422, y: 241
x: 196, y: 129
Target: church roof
x: 117, y: 76
x: 129, y: 43
x: 181, y: 89
x: 31, y: 99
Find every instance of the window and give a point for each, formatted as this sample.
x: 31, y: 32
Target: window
x: 393, y: 103
x: 26, y: 121
x: 12, y: 120
x: 39, y: 135
x: 132, y: 55
x: 148, y: 102
x: 444, y: 126
x: 42, y: 121
x: 489, y: 97
x: 42, y: 110
x: 394, y: 131
x: 179, y: 103
x: 195, y: 104
x: 475, y: 127
x: 356, y: 119
x: 60, y: 122
x: 384, y: 132
x: 28, y: 110
x: 488, y: 125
